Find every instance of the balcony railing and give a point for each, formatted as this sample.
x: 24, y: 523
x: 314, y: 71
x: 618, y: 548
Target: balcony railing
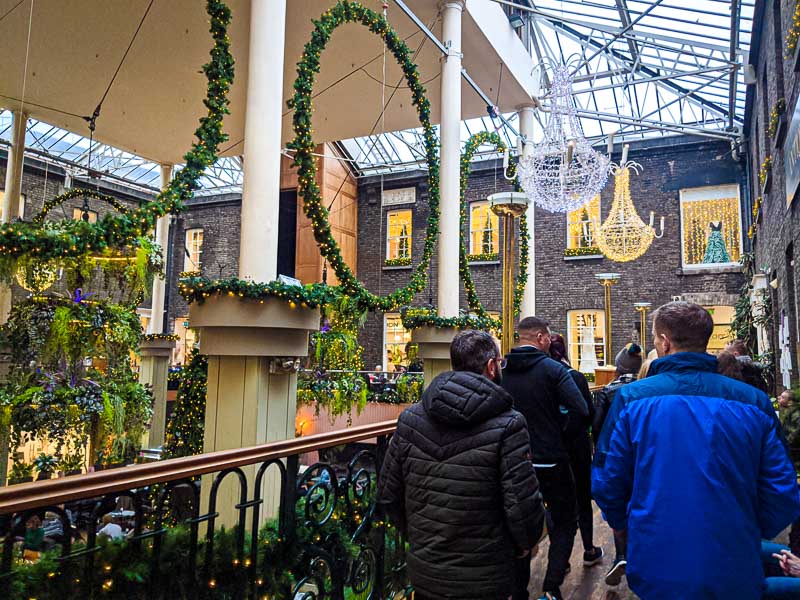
x: 327, y: 540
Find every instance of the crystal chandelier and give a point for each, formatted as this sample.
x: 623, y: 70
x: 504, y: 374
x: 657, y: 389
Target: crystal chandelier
x: 623, y: 236
x: 562, y: 173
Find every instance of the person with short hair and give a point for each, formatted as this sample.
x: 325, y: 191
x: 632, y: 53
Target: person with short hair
x: 695, y: 472
x: 546, y: 394
x: 458, y: 479
x: 110, y: 529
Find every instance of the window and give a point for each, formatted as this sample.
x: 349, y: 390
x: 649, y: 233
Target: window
x: 711, y: 226
x: 21, y: 204
x: 398, y: 241
x: 194, y: 250
x: 186, y: 340
x: 721, y: 335
x: 586, y: 339
x: 484, y: 231
x: 395, y: 339
x: 582, y: 224
x: 77, y: 214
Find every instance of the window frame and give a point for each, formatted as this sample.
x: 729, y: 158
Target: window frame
x: 188, y: 263
x: 77, y: 214
x: 472, y: 249
x: 595, y: 225
x: 703, y: 193
x: 600, y: 317
x: 385, y: 341
x: 390, y: 238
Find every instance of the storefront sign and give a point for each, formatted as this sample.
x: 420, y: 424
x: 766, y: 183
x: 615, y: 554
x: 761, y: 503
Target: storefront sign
x: 791, y: 154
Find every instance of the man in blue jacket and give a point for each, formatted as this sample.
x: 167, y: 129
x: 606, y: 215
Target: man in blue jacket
x: 694, y: 471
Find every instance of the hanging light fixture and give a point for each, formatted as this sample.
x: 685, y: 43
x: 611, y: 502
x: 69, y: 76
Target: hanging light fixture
x: 563, y: 172
x: 623, y: 236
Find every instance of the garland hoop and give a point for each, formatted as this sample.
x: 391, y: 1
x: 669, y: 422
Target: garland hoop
x: 78, y: 193
x: 303, y: 144
x: 71, y: 238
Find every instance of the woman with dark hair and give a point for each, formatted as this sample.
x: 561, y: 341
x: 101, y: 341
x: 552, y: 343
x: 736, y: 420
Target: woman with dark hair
x: 579, y: 446
x: 729, y: 365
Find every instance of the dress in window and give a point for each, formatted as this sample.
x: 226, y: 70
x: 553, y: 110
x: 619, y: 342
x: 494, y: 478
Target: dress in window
x: 716, y: 252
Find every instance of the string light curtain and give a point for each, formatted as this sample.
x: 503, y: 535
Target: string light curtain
x: 624, y: 237
x: 562, y: 172
x: 696, y: 219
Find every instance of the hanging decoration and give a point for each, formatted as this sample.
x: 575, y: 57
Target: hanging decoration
x: 303, y: 144
x: 70, y: 238
x: 36, y: 276
x: 563, y: 172
x: 624, y: 237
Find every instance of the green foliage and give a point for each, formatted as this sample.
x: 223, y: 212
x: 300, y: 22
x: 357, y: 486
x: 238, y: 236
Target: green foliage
x: 45, y: 463
x: 743, y: 326
x: 195, y: 288
x: 20, y: 471
x: 397, y: 262
x: 484, y: 257
x: 185, y: 426
x: 409, y: 387
x: 583, y: 251
x: 414, y: 318
x: 304, y: 146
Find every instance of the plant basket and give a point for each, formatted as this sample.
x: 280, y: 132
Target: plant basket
x: 780, y: 131
x: 767, y: 186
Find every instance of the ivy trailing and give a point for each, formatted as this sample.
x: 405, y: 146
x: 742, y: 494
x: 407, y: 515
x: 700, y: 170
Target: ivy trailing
x: 303, y: 143
x: 69, y: 238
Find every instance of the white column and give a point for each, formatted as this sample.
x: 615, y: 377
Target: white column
x: 450, y: 154
x: 12, y: 193
x: 156, y: 324
x: 258, y: 251
x: 528, y: 306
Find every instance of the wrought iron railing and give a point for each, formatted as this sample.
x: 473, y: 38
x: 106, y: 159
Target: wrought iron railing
x: 328, y: 539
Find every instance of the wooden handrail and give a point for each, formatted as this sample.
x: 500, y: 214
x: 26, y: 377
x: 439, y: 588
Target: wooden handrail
x: 52, y: 492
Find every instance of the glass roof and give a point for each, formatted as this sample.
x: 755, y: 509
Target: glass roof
x: 641, y: 68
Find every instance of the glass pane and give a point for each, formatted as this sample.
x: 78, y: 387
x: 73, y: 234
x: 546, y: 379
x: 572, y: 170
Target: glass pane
x: 586, y: 339
x: 395, y: 342
x: 711, y: 231
x: 581, y: 224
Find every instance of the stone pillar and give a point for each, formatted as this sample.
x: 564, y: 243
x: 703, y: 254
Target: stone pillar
x: 156, y: 324
x: 450, y: 156
x: 252, y: 385
x: 12, y: 194
x: 262, y: 141
x: 528, y: 305
x: 434, y: 348
x: 153, y: 370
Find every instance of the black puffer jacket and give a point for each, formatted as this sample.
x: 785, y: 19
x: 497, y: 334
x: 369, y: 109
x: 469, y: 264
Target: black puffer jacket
x: 458, y: 479
x: 540, y: 386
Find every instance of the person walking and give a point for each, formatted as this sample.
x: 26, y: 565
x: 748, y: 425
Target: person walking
x: 696, y: 473
x: 546, y: 394
x: 458, y: 480
x: 579, y: 448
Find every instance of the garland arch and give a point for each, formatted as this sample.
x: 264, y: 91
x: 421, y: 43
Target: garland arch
x: 303, y: 144
x: 78, y: 193
x: 70, y: 238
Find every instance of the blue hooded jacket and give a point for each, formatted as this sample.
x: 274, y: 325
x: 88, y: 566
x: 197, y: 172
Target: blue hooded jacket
x: 692, y: 464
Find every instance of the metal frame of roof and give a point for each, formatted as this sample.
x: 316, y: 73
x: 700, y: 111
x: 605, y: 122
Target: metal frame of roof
x: 642, y: 68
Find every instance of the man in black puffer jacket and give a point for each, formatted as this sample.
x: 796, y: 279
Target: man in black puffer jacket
x: 458, y: 479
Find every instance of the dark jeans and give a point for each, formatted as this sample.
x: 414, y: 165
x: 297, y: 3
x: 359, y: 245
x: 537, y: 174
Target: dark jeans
x: 580, y: 459
x: 558, y: 490
x: 777, y: 588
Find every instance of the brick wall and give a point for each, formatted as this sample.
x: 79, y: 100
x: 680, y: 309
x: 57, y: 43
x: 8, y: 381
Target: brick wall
x: 779, y: 225
x: 561, y: 285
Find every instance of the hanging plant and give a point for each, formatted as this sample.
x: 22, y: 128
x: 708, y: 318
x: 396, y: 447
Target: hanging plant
x: 774, y: 116
x: 303, y: 143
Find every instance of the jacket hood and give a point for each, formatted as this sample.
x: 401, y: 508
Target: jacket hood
x: 684, y: 361
x: 522, y: 359
x: 462, y: 399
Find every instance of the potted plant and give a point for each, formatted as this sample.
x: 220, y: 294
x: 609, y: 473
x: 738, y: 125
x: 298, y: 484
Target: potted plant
x: 72, y: 464
x: 46, y: 464
x: 21, y: 472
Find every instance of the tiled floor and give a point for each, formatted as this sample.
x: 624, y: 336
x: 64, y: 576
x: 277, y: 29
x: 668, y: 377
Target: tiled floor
x: 583, y: 583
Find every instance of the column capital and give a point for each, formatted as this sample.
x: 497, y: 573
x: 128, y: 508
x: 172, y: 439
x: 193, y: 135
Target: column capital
x: 456, y: 4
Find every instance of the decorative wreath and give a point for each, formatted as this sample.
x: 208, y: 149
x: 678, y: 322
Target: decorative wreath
x: 78, y: 193
x: 303, y: 143
x: 71, y: 238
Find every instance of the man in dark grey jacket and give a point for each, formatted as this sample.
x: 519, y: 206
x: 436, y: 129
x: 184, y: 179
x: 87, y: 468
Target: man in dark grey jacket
x: 546, y: 394
x: 458, y: 479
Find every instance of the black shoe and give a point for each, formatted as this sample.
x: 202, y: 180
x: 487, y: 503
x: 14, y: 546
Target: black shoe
x: 617, y: 572
x: 593, y: 557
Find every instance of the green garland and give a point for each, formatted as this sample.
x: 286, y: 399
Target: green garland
x: 186, y: 423
x: 78, y: 193
x: 583, y: 251
x: 483, y: 257
x: 72, y: 238
x: 304, y: 145
x: 166, y: 337
x: 397, y: 262
x: 414, y: 318
x: 197, y: 289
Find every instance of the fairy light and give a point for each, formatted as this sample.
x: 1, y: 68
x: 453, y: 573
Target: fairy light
x: 562, y: 172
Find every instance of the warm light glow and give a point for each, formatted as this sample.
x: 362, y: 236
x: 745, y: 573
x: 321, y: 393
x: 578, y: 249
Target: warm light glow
x: 624, y: 237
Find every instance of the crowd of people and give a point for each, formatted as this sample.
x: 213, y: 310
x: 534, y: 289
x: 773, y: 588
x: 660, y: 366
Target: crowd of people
x: 684, y: 454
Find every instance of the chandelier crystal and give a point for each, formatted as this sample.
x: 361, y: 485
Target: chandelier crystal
x: 623, y: 236
x: 563, y: 172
